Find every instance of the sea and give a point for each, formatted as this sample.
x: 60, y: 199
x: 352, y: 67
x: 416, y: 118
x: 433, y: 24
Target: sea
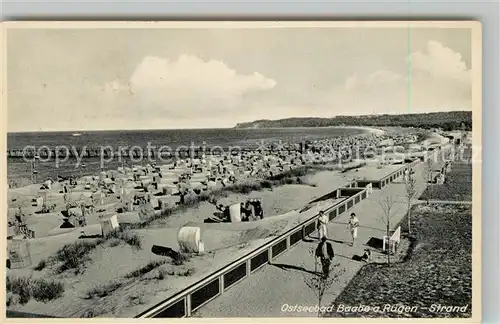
x: 19, y: 169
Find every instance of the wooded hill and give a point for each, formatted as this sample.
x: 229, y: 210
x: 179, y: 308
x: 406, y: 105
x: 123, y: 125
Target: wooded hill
x: 446, y: 120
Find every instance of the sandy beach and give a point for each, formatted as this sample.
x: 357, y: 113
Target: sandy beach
x: 110, y: 263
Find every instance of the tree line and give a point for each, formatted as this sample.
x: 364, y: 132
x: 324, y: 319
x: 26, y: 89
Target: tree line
x: 446, y: 120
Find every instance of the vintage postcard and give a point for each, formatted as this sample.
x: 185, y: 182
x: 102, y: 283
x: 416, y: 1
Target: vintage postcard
x: 242, y: 169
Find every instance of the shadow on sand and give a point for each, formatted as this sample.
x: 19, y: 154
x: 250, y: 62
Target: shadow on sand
x: 287, y: 267
x: 316, y: 239
x: 83, y: 236
x: 375, y: 243
x: 359, y: 258
x: 360, y: 226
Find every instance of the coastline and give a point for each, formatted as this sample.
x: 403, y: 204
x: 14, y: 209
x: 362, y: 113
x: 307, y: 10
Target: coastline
x: 24, y: 181
x: 18, y: 170
x: 370, y: 129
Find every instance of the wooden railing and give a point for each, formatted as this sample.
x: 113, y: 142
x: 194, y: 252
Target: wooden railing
x: 399, y: 172
x: 380, y: 183
x: 185, y: 302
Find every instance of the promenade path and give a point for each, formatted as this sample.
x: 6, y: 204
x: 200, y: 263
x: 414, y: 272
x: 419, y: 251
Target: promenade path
x: 265, y: 292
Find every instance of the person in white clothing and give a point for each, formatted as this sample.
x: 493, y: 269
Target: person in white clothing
x: 323, y: 220
x: 353, y: 225
x: 406, y: 175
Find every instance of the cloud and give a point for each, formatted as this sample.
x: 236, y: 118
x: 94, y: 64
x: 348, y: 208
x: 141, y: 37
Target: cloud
x: 187, y: 87
x: 439, y: 81
x: 101, y: 82
x: 440, y: 62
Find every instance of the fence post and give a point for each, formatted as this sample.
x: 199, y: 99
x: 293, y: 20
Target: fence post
x: 188, y: 305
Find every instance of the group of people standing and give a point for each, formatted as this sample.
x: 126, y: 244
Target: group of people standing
x: 324, y: 251
x: 249, y: 210
x: 252, y: 206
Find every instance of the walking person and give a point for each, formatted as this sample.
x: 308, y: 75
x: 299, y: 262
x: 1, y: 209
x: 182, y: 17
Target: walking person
x: 325, y: 253
x: 323, y: 220
x: 353, y: 227
x: 411, y: 175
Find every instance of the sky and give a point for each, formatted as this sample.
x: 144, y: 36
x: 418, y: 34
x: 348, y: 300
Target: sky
x: 112, y: 79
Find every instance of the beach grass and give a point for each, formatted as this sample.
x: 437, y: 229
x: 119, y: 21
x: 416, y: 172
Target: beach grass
x: 74, y: 256
x: 294, y: 176
x: 186, y: 273
x: 101, y: 291
x: 180, y: 259
x: 126, y: 236
x: 41, y: 265
x: 108, y: 289
x: 352, y: 167
x: 163, y: 273
x: 91, y: 313
x: 22, y: 289
x: 145, y: 269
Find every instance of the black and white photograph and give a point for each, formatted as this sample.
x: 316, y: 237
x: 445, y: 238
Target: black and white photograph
x: 242, y: 169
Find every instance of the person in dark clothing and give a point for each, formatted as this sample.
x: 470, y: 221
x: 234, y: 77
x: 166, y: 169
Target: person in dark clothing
x: 227, y: 214
x: 182, y: 195
x: 246, y: 210
x: 257, y: 208
x: 366, y: 256
x: 243, y: 212
x: 325, y: 253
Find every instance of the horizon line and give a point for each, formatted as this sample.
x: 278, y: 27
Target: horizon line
x: 238, y: 123
x: 173, y: 129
